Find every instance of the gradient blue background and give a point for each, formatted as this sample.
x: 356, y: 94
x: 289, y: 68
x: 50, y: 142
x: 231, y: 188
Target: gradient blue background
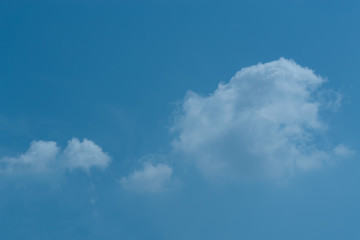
x: 112, y: 71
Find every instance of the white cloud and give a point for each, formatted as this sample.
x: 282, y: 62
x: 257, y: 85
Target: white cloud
x: 151, y: 179
x: 45, y: 156
x: 263, y: 123
x: 84, y: 155
x: 39, y: 157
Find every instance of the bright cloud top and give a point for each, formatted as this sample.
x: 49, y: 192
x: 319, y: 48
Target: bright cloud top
x: 264, y: 122
x: 150, y: 179
x: 45, y: 156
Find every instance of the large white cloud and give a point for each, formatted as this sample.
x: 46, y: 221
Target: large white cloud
x: 45, y: 156
x: 265, y: 122
x: 150, y: 179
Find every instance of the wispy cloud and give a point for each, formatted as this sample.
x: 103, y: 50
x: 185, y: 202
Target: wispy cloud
x: 343, y: 151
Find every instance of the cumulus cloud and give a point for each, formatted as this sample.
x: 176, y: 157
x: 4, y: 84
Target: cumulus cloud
x: 39, y: 157
x: 150, y: 179
x: 84, y: 155
x: 265, y: 122
x: 45, y: 156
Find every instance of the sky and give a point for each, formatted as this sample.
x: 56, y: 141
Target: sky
x: 153, y: 119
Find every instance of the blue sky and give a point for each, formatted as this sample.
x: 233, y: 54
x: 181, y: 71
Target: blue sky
x: 179, y: 119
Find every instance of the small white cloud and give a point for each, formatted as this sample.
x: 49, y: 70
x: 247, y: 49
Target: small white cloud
x: 264, y: 122
x: 45, y: 156
x: 343, y: 151
x: 150, y: 179
x: 84, y: 155
x: 38, y: 158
